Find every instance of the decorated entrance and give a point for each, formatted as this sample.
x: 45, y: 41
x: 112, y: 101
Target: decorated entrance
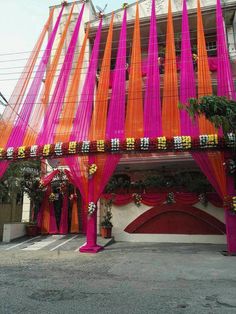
x: 93, y: 120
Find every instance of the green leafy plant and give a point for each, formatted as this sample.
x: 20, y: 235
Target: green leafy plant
x: 220, y: 111
x: 106, y: 220
x: 190, y: 181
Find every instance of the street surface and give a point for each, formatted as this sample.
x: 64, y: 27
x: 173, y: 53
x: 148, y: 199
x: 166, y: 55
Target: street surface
x: 46, y: 276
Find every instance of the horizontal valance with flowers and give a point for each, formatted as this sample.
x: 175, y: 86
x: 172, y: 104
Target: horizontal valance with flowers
x: 128, y: 145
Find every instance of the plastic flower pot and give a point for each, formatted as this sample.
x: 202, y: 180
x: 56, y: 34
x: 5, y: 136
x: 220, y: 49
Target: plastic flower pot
x: 32, y: 230
x: 106, y: 232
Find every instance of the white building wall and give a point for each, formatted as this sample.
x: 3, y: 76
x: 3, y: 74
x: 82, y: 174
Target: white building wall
x: 124, y: 215
x: 161, y: 9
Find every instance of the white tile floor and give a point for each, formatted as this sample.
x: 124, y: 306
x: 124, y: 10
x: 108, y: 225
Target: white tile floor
x: 50, y: 243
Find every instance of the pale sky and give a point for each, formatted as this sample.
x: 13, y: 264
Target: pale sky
x: 21, y: 22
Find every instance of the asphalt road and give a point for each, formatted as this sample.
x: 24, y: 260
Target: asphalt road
x: 124, y: 278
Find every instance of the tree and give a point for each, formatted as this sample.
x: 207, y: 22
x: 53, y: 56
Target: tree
x: 21, y: 177
x: 220, y: 111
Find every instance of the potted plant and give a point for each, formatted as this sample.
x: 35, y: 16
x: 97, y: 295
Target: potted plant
x: 32, y: 229
x: 106, y: 224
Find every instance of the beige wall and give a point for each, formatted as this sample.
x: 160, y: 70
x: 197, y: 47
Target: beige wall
x: 9, y: 213
x: 124, y: 215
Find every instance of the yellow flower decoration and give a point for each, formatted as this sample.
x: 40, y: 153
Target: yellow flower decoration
x: 46, y: 149
x: 186, y: 142
x: 212, y: 139
x: 1, y: 152
x: 130, y: 143
x: 21, y: 152
x: 234, y: 203
x: 100, y: 146
x: 92, y: 169
x: 161, y: 142
x: 72, y: 147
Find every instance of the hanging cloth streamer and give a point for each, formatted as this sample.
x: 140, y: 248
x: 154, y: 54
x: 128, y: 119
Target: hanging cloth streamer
x: 54, y: 109
x: 11, y: 111
x: 170, y: 111
x: 187, y: 78
x: 152, y: 104
x: 37, y: 116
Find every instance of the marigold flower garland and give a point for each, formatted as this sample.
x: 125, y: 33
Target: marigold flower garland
x: 131, y: 144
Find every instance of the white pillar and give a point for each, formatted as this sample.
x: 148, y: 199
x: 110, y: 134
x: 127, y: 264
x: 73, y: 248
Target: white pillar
x: 26, y: 209
x: 231, y: 42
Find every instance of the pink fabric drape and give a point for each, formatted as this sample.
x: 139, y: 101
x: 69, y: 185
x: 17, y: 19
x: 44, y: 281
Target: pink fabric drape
x: 187, y: 79
x: 19, y: 130
x: 53, y: 224
x: 115, y: 129
x: 48, y: 179
x: 64, y: 215
x: 79, y: 166
x: 152, y: 104
x: 116, y: 113
x: 225, y: 84
x: 10, y: 112
x: 53, y: 111
x: 47, y: 206
x: 204, y: 164
x: 84, y: 112
x: 154, y: 199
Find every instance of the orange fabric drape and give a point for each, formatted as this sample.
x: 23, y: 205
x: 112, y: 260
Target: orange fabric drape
x: 170, y: 111
x: 67, y: 116
x: 11, y: 111
x: 46, y: 212
x: 74, y: 218
x: 98, y: 124
x: 134, y: 113
x: 52, y: 70
x: 39, y: 110
x: 204, y: 75
x: 217, y: 163
x: 74, y: 228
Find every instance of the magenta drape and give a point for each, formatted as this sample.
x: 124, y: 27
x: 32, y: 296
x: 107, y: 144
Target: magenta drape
x: 39, y: 217
x: 83, y: 115
x: 152, y: 104
x: 116, y: 113
x: 115, y: 129
x: 53, y: 224
x: 225, y: 83
x: 187, y: 79
x: 53, y: 111
x: 10, y: 112
x: 48, y: 179
x: 64, y: 215
x: 19, y: 130
x: 82, y: 121
x: 154, y: 199
x: 45, y: 181
x: 84, y: 112
x: 204, y: 164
